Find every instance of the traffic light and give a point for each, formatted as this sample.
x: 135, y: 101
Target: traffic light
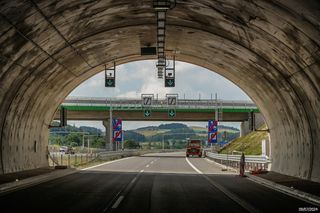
x: 169, y: 77
x: 110, y: 76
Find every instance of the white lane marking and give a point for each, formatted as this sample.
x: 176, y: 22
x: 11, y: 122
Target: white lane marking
x: 195, y: 168
x: 141, y: 170
x: 151, y: 162
x: 109, y: 162
x: 134, y: 180
x: 231, y: 195
x: 147, y: 165
x: 116, y: 204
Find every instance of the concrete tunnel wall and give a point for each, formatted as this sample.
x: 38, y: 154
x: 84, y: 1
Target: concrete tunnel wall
x: 268, y: 48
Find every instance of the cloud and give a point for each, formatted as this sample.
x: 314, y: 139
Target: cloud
x: 130, y: 94
x: 136, y: 78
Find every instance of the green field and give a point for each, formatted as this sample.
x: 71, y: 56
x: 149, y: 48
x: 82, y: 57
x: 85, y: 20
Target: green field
x: 249, y: 144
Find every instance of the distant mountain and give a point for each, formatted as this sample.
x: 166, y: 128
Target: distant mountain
x: 134, y: 136
x: 172, y: 126
x: 177, y: 131
x: 68, y: 129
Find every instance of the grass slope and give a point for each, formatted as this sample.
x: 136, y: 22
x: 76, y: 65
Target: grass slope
x: 249, y: 144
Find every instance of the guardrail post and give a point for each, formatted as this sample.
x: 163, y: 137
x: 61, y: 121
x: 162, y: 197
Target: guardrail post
x: 69, y: 160
x: 61, y: 159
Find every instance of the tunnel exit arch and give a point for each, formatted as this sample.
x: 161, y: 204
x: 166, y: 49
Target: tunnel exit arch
x: 270, y: 49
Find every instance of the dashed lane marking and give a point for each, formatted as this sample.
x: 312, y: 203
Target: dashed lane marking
x: 116, y: 204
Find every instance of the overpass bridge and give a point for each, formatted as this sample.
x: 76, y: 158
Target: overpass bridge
x: 80, y: 108
x: 101, y: 109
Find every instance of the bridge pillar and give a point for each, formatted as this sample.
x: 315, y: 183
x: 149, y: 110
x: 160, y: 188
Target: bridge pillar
x: 109, y: 145
x: 245, y: 127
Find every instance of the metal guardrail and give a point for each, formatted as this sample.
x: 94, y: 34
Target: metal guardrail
x: 249, y: 158
x: 253, y: 162
x: 79, y: 159
x: 71, y: 160
x: 159, y: 103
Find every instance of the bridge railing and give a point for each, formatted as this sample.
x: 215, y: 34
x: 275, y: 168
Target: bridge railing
x: 117, y: 103
x: 253, y: 162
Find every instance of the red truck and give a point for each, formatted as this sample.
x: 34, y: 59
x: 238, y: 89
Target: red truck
x: 194, y: 148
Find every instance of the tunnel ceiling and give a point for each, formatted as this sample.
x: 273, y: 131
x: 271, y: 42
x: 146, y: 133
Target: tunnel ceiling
x: 268, y: 48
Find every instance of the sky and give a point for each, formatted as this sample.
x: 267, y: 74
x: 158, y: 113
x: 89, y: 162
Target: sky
x: 140, y: 77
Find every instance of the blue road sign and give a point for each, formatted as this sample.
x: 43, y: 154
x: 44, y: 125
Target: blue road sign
x: 117, y: 130
x: 117, y: 136
x: 117, y: 124
x: 212, y: 131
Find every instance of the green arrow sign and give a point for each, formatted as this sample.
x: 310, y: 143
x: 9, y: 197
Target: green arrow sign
x: 110, y: 83
x: 147, y: 113
x: 169, y: 82
x: 172, y: 113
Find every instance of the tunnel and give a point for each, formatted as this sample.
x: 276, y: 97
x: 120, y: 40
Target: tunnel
x: 270, y: 49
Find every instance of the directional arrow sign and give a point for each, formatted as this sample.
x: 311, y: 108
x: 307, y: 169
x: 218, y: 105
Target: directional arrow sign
x: 172, y: 113
x: 110, y: 82
x: 147, y: 113
x: 169, y: 82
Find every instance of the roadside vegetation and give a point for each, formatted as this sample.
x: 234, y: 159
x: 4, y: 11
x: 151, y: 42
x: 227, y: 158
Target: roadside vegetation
x: 249, y: 144
x: 169, y: 136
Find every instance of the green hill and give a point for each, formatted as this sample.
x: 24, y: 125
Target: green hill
x: 178, y: 132
x: 249, y: 144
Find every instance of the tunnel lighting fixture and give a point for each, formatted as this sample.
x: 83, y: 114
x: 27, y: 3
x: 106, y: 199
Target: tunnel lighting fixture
x: 160, y: 23
x: 160, y: 45
x: 161, y: 7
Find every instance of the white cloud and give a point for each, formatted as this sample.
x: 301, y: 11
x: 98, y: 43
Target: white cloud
x: 130, y: 94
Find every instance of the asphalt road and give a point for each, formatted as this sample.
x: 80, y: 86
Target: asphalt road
x: 151, y: 183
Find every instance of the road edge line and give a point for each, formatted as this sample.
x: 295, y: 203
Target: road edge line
x: 193, y: 167
x: 225, y: 191
x: 304, y: 196
x: 109, y: 162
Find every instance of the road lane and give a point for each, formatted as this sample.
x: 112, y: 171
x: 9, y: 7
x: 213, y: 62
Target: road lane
x: 175, y: 164
x: 152, y: 183
x: 158, y: 192
x: 132, y: 164
x: 87, y: 191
